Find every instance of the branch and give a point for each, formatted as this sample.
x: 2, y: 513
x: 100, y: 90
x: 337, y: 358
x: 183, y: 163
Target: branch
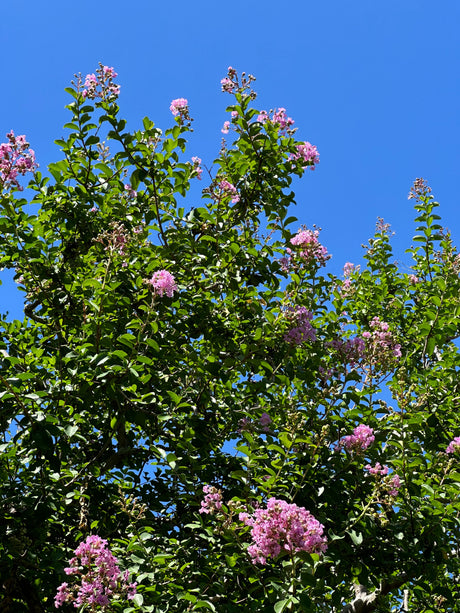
x: 365, y: 602
x: 29, y: 311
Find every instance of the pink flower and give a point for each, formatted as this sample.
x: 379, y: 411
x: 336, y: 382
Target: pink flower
x: 283, y: 527
x: 212, y: 501
x: 163, y: 282
x: 90, y: 86
x: 98, y: 575
x: 227, y: 85
x: 376, y: 349
x: 454, y: 445
x: 101, y: 85
x: 226, y: 127
x: 384, y: 349
x: 307, y: 154
x: 196, y: 167
x: 282, y: 120
x: 285, y: 263
x: 279, y: 120
x: 227, y: 189
x: 304, y: 238
x: 109, y: 72
x: 179, y: 106
x: 244, y: 425
x: 310, y: 249
x: 360, y: 440
x: 377, y: 469
x: 263, y: 117
x: 303, y: 330
x: 130, y: 191
x: 419, y: 190
x: 394, y: 484
x: 230, y: 82
x: 347, y: 284
x: 16, y: 158
x: 391, y: 483
x: 265, y: 420
x: 349, y: 269
x: 351, y: 351
x: 382, y: 227
x: 62, y: 595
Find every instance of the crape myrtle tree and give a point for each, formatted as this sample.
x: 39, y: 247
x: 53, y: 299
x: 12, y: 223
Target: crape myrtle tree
x: 191, y: 408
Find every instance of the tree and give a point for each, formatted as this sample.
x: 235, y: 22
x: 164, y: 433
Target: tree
x: 157, y: 339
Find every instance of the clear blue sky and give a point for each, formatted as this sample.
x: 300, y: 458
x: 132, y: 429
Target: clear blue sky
x: 375, y: 85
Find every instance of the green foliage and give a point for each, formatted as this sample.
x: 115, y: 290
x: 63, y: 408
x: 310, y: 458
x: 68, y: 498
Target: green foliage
x: 118, y: 405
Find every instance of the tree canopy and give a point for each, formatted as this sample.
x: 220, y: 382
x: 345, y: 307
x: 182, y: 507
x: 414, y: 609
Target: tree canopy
x: 194, y: 414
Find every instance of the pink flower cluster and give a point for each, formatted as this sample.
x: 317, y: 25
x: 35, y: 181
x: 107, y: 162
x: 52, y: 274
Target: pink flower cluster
x: 101, y: 85
x: 420, y: 189
x: 197, y: 167
x: 454, y: 445
x: 303, y: 330
x: 179, y: 106
x: 279, y: 119
x: 378, y: 469
x: 265, y: 420
x: 391, y: 483
x: 16, y: 158
x: 348, y: 270
x: 283, y: 527
x: 247, y: 425
x: 100, y: 577
x: 226, y: 127
x: 212, y: 501
x: 394, y: 483
x: 231, y: 85
x: 350, y: 351
x: 118, y: 240
x: 307, y: 154
x: 381, y: 227
x: 377, y: 348
x: 130, y: 192
x: 163, y: 282
x: 360, y: 440
x: 230, y: 82
x: 244, y: 425
x: 309, y: 250
x: 227, y: 189
x: 381, y: 349
x: 263, y: 117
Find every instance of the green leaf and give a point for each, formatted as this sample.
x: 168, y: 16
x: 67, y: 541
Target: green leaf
x: 204, y: 604
x: 285, y: 438
x: 91, y: 140
x: 430, y: 345
x: 138, y: 600
x: 71, y: 430
x: 281, y: 605
x: 174, y: 397
x: 357, y: 538
x: 127, y: 339
x: 428, y: 488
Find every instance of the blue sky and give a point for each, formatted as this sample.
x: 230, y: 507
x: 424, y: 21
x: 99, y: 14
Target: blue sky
x: 374, y: 85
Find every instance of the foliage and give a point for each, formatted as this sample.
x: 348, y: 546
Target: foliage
x: 157, y: 339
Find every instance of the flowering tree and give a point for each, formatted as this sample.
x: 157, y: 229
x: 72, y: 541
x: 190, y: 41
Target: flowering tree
x: 194, y: 415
